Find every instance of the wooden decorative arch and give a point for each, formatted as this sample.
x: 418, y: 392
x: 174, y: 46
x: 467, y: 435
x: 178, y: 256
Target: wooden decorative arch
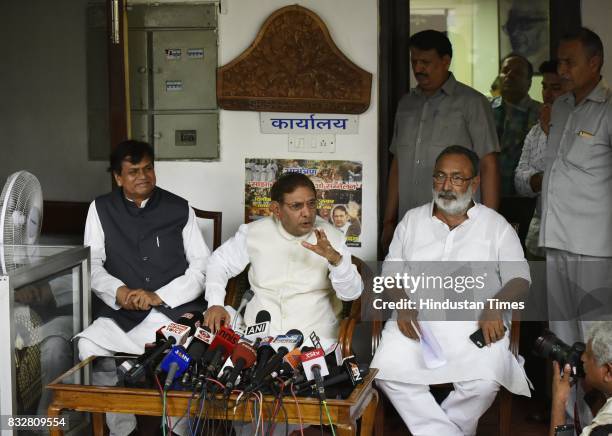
x: 294, y: 66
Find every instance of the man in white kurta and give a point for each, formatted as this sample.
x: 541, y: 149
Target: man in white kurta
x: 464, y: 231
x: 133, y: 234
x: 298, y: 273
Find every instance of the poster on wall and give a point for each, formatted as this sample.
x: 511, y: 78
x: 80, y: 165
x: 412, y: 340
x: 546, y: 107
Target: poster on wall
x: 338, y: 185
x: 525, y: 29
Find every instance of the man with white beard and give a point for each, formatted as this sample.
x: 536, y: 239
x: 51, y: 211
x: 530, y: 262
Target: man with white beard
x: 452, y: 228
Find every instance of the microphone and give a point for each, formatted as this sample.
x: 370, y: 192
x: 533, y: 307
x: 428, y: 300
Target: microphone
x: 243, y: 356
x: 314, y: 359
x: 350, y: 371
x: 180, y: 330
x: 282, y: 345
x: 175, y: 364
x: 221, y: 347
x: 246, y: 297
x: 202, y: 339
x: 261, y: 328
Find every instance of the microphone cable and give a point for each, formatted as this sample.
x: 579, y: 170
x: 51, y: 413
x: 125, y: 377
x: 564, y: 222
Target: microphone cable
x: 297, y: 406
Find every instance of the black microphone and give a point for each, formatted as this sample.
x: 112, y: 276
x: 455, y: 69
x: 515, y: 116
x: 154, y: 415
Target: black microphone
x: 275, y: 361
x: 354, y: 374
x: 201, y: 340
x: 181, y: 329
x: 263, y: 316
x: 243, y: 356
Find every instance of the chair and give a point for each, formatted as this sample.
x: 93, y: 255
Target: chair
x: 216, y: 218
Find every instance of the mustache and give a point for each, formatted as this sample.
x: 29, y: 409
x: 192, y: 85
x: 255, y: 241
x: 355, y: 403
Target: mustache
x: 420, y: 75
x: 447, y: 195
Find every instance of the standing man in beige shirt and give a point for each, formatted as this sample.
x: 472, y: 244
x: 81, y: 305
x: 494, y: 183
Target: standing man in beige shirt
x: 438, y: 113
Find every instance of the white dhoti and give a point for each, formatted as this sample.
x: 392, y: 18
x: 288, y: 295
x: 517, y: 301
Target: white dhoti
x: 475, y: 372
x: 457, y: 415
x: 104, y: 338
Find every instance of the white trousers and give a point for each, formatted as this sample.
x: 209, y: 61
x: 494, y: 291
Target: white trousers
x: 458, y: 414
x: 104, y: 372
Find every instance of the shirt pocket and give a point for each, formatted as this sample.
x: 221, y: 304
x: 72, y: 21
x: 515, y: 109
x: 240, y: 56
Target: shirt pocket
x: 588, y: 153
x: 450, y: 128
x: 407, y: 128
x: 474, y: 251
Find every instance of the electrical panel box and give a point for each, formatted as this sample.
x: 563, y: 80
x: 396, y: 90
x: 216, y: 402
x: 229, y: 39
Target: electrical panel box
x: 172, y: 68
x: 186, y: 136
x: 183, y: 62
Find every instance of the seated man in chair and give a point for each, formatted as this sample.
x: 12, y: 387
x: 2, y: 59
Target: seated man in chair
x: 148, y: 260
x: 298, y: 273
x: 452, y: 228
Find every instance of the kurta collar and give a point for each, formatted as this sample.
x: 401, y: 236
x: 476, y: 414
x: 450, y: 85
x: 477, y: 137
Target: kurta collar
x: 285, y: 234
x: 472, y: 213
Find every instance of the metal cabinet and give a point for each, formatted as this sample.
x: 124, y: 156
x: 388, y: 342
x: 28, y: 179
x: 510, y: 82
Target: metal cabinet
x: 44, y: 302
x: 172, y: 69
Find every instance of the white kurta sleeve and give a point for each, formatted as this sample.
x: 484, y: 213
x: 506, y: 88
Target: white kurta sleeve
x: 229, y: 260
x: 512, y: 263
x: 190, y: 285
x: 103, y: 284
x: 345, y: 279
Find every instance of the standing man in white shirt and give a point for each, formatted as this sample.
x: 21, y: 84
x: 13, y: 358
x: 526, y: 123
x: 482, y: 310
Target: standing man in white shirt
x: 453, y: 228
x: 530, y: 169
x: 148, y: 260
x: 299, y: 273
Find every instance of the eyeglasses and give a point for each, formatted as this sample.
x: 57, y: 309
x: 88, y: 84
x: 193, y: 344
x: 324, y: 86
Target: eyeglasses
x: 310, y: 204
x: 455, y: 179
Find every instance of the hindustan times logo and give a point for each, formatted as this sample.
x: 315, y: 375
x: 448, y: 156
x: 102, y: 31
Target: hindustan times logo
x: 412, y: 283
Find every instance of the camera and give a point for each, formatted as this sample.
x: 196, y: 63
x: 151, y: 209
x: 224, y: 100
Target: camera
x: 551, y: 347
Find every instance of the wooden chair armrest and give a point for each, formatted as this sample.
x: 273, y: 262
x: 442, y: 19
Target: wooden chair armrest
x: 515, y: 333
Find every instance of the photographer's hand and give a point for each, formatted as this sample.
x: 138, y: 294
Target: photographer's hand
x: 560, y: 394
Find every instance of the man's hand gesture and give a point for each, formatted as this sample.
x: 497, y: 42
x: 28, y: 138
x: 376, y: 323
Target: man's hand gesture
x: 324, y: 248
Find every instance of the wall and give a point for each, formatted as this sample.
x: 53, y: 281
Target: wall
x: 473, y: 28
x: 43, y: 115
x: 596, y: 16
x: 353, y: 25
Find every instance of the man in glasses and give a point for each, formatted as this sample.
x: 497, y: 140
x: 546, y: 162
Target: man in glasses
x: 440, y: 237
x: 438, y: 112
x: 299, y: 273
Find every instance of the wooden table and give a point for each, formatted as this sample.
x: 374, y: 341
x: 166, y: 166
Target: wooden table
x: 98, y: 400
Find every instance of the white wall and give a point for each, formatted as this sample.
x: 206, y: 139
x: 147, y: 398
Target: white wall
x: 596, y: 15
x: 43, y: 115
x: 353, y: 25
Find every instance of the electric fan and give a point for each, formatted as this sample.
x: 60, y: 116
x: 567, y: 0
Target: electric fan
x: 21, y: 205
x: 20, y: 215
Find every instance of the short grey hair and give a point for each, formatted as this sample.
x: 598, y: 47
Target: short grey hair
x: 600, y: 336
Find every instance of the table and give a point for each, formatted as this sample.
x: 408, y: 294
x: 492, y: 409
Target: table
x: 98, y: 400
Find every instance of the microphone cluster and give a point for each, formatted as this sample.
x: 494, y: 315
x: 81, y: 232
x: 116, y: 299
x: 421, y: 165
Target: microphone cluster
x: 193, y: 358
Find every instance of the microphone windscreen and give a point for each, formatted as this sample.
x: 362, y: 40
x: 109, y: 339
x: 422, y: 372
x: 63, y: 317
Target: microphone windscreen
x: 263, y: 316
x: 245, y: 352
x: 191, y: 319
x: 296, y: 332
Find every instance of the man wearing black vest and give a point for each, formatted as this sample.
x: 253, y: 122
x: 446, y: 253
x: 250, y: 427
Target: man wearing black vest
x: 148, y: 261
